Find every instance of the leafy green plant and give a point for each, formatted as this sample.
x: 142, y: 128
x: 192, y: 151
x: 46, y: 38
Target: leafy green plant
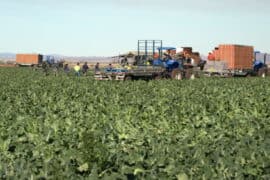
x: 66, y: 127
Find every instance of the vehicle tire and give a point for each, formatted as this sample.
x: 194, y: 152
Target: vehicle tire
x: 128, y: 78
x: 248, y: 75
x: 166, y: 75
x: 156, y: 76
x: 262, y: 72
x: 176, y: 74
x: 188, y: 73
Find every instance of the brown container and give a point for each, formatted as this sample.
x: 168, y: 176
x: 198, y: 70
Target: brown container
x: 236, y: 56
x: 29, y: 59
x: 196, y: 53
x: 187, y: 50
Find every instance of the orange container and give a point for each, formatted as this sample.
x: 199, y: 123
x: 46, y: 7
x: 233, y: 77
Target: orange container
x: 196, y: 53
x: 211, y: 57
x: 216, y: 54
x: 28, y: 59
x: 236, y: 56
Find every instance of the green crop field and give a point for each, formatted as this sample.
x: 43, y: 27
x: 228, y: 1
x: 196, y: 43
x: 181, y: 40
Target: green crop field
x: 67, y: 127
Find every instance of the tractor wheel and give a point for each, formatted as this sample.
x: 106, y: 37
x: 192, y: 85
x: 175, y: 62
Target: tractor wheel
x: 248, y: 75
x: 176, y: 74
x: 262, y: 72
x: 188, y: 73
x: 157, y: 76
x: 128, y: 78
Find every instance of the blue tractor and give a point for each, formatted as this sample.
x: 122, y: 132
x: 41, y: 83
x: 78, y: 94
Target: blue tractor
x: 259, y: 65
x: 49, y: 59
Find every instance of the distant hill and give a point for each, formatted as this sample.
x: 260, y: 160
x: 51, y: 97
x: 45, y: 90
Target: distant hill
x: 85, y: 58
x: 7, y: 56
x: 12, y: 57
x: 102, y: 59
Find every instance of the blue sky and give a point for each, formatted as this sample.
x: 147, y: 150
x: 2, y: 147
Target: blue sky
x: 109, y: 27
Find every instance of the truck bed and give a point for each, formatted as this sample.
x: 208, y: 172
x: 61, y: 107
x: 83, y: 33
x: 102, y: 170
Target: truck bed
x: 145, y: 71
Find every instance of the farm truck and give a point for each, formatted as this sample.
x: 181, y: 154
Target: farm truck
x: 235, y: 61
x: 36, y: 60
x: 29, y: 59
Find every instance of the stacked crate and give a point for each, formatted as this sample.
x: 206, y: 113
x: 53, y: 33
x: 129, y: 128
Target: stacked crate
x: 236, y: 56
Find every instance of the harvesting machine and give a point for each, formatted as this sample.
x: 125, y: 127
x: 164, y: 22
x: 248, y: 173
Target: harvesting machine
x: 151, y: 61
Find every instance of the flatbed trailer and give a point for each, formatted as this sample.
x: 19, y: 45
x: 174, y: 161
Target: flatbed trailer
x: 114, y: 74
x: 146, y: 73
x: 219, y: 69
x: 140, y: 72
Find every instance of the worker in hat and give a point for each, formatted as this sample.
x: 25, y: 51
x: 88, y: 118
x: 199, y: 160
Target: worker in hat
x: 85, y: 68
x: 66, y: 69
x: 97, y: 69
x: 127, y: 66
x: 45, y: 68
x: 77, y: 69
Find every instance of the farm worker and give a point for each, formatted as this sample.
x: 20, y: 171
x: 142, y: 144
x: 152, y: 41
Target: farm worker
x: 124, y: 61
x: 97, y: 70
x: 45, y: 68
x: 55, y: 68
x: 192, y: 61
x: 110, y: 68
x: 128, y: 67
x: 85, y: 68
x: 77, y: 69
x: 66, y: 69
x: 188, y: 59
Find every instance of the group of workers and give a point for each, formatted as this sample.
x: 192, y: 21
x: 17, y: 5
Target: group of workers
x: 78, y: 69
x: 85, y: 68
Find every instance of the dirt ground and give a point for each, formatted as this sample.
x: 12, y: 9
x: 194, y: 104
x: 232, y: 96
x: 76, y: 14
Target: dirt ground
x: 7, y: 65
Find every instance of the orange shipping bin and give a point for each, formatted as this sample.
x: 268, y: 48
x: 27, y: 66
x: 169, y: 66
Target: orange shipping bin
x: 211, y: 57
x: 236, y: 56
x: 28, y: 59
x: 216, y: 54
